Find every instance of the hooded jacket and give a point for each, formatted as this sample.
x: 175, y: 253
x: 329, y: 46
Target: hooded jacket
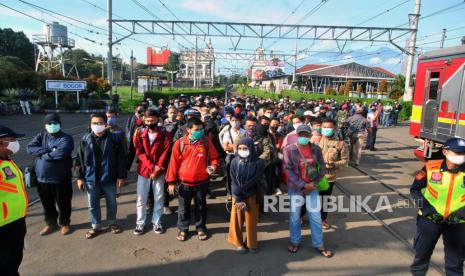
x: 246, y: 172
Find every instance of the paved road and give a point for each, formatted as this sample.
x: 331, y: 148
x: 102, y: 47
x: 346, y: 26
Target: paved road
x: 362, y: 244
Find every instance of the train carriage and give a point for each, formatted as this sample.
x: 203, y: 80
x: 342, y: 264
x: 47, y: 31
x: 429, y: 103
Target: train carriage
x: 438, y: 111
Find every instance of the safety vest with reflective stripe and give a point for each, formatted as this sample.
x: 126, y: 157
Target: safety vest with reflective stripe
x: 13, y: 197
x: 444, y: 191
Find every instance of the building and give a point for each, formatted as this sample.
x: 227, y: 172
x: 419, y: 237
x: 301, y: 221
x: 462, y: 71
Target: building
x: 203, y: 60
x: 316, y: 78
x: 263, y: 69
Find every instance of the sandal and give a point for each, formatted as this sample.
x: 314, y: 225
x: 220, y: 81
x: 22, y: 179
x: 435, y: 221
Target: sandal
x: 115, y: 229
x: 292, y: 248
x: 324, y: 252
x: 182, y: 236
x: 326, y: 225
x: 202, y: 235
x: 92, y: 233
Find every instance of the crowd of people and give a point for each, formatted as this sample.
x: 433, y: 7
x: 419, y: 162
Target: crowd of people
x: 260, y: 146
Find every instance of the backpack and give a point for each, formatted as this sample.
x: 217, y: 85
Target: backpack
x: 205, y: 143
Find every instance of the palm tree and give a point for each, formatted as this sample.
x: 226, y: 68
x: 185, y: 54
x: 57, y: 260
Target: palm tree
x: 397, y: 87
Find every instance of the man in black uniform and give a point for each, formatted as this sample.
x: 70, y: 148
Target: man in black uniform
x: 439, y: 191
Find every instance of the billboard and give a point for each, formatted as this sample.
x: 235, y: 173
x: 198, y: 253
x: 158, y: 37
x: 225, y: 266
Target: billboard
x: 157, y: 59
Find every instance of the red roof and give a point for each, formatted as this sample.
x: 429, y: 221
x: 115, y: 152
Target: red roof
x: 310, y: 67
x: 382, y: 70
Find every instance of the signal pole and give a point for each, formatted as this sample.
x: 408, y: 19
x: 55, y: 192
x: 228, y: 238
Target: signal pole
x: 413, y: 20
x: 110, y: 47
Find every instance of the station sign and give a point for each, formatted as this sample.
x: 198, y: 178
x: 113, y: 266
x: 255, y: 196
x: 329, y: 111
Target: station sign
x: 64, y: 85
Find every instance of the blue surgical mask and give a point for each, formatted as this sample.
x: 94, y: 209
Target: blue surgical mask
x: 53, y: 128
x: 111, y: 121
x: 303, y: 141
x: 197, y: 134
x: 328, y: 132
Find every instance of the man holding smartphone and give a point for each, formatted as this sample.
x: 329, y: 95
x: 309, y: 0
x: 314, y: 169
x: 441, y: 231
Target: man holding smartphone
x: 193, y: 160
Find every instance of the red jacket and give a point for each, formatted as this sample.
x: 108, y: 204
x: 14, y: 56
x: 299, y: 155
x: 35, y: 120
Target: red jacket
x: 190, y: 166
x: 152, y: 155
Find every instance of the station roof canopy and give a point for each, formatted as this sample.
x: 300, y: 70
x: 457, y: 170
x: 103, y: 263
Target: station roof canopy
x: 350, y: 70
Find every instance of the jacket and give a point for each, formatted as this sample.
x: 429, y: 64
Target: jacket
x: 292, y: 167
x: 334, y: 152
x: 132, y: 124
x: 53, y: 156
x: 113, y: 163
x: 246, y: 173
x: 151, y: 155
x: 189, y: 167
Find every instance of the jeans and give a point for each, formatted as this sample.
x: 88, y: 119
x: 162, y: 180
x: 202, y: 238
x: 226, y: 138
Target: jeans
x: 185, y: 196
x: 94, y: 193
x: 143, y: 188
x: 56, y: 194
x: 386, y: 119
x: 12, y: 246
x: 25, y: 107
x: 312, y: 201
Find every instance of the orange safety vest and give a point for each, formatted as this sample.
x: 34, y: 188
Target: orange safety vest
x: 13, y: 197
x: 444, y: 191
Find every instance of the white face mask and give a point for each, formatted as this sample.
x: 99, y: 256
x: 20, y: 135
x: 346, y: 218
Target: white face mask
x: 98, y: 128
x: 243, y: 153
x: 456, y: 159
x: 13, y: 146
x: 296, y: 125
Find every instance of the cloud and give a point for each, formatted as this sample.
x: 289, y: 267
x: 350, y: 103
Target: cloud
x: 392, y: 61
x: 375, y: 60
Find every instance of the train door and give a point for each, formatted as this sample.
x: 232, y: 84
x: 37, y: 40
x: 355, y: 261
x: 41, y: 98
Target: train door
x: 432, y: 99
x: 460, y: 132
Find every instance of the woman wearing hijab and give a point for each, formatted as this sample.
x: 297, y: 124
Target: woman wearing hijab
x: 246, y: 171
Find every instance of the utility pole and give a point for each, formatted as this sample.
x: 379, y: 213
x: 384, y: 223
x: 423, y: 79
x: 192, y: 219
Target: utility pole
x: 443, y: 37
x: 132, y: 72
x: 110, y: 46
x: 103, y: 68
x: 195, y: 63
x: 295, y: 64
x: 413, y: 20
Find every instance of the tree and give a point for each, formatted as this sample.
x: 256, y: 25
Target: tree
x: 329, y: 90
x: 172, y: 65
x: 397, y: 87
x: 382, y: 86
x: 341, y: 89
x: 347, y: 88
x: 18, y: 45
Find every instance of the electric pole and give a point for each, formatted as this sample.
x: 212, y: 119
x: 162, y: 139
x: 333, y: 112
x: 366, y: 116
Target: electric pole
x: 443, y: 37
x: 413, y: 20
x: 195, y: 63
x: 110, y: 46
x: 132, y: 72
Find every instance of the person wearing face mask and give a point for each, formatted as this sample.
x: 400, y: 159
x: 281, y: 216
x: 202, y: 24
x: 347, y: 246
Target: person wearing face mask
x: 278, y: 164
x: 52, y: 151
x: 305, y: 167
x: 152, y: 150
x: 336, y: 155
x: 291, y: 138
x: 438, y: 190
x: 14, y: 201
x: 193, y: 160
x: 112, y: 122
x: 171, y: 124
x: 246, y: 171
x: 101, y: 168
x: 372, y: 117
x: 134, y: 121
x: 261, y: 142
x: 232, y: 135
x: 315, y: 124
x: 357, y: 133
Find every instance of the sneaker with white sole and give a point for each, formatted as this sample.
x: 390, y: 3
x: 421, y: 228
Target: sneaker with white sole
x: 139, y: 230
x: 158, y: 229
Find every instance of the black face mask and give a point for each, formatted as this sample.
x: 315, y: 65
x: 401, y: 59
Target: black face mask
x: 152, y: 126
x: 262, y: 130
x: 274, y: 129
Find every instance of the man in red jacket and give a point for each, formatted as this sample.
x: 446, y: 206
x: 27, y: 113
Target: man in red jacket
x: 152, y: 145
x: 193, y: 159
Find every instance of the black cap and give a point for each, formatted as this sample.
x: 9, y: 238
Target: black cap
x: 7, y: 132
x: 52, y: 118
x: 456, y: 145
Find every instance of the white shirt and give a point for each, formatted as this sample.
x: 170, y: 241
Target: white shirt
x: 235, y: 136
x: 152, y: 137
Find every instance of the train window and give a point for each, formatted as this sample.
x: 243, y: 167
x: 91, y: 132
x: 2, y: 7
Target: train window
x: 434, y: 85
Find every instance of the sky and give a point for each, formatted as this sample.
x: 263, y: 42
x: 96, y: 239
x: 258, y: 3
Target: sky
x: 374, y: 13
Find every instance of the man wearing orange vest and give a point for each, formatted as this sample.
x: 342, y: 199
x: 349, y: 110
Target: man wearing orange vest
x: 439, y: 191
x: 13, y: 205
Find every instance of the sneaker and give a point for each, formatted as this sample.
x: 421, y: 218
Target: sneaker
x: 167, y: 211
x: 158, y: 229
x: 139, y: 230
x: 278, y: 192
